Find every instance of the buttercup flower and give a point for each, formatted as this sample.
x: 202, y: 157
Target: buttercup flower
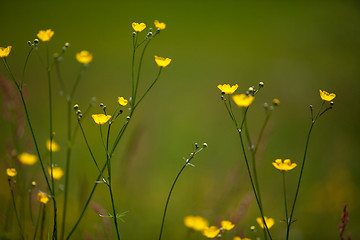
x: 4, y: 52
x: 284, y: 166
x: 327, y: 96
x: 269, y: 222
x: 196, y: 222
x: 45, y: 35
x: 162, y: 62
x: 211, y: 232
x: 159, y: 25
x: 11, y: 172
x: 84, y: 57
x: 100, y: 118
x: 138, y: 27
x: 42, y: 197
x: 57, y: 172
x: 227, y: 225
x: 122, y: 101
x: 225, y: 88
x: 54, y: 146
x: 27, y: 158
x: 239, y: 238
x: 243, y: 100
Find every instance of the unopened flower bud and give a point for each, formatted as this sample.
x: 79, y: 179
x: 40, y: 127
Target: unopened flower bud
x: 196, y: 145
x: 205, y: 145
x: 276, y: 102
x: 101, y: 104
x: 67, y: 45
x: 332, y: 103
x: 29, y: 43
x: 33, y: 184
x: 134, y: 34
x: 76, y: 106
x: 261, y: 84
x: 36, y: 41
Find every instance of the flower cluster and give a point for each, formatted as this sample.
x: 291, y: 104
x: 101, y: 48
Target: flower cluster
x: 200, y: 224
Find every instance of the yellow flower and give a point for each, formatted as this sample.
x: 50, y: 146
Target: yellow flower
x: 269, y: 222
x: 45, y: 35
x: 160, y: 25
x: 27, y: 159
x: 225, y: 88
x: 138, y: 27
x: 162, y: 62
x: 54, y: 146
x: 84, y: 57
x: 327, y: 96
x: 239, y: 238
x: 4, y: 52
x: 227, y: 225
x: 100, y: 118
x: 57, y: 172
x: 11, y: 172
x: 122, y: 101
x: 284, y: 166
x: 243, y: 100
x: 276, y: 102
x: 196, y: 222
x: 42, y: 197
x: 211, y: 232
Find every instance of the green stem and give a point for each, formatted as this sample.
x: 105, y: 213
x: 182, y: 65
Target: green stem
x: 38, y: 221
x: 133, y: 71
x: 25, y: 65
x: 15, y: 209
x: 268, y: 115
x: 285, y: 201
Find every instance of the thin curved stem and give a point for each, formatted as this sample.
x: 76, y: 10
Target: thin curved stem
x: 25, y: 65
x: 15, y: 209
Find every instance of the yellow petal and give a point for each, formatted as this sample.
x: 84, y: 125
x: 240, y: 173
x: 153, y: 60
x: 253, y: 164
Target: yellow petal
x: 11, y: 172
x: 27, y: 158
x: 84, y: 57
x: 100, y: 118
x: 138, y: 27
x: 327, y: 96
x: 42, y: 197
x: 225, y: 88
x: 57, y: 172
x: 54, y: 146
x: 243, y: 100
x: 227, y: 225
x: 45, y: 35
x: 162, y: 62
x: 211, y: 232
x: 159, y: 25
x: 122, y: 101
x: 269, y: 222
x: 4, y: 52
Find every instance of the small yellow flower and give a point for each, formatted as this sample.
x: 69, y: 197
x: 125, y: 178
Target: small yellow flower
x: 276, y: 102
x: 45, y: 35
x: 196, y: 222
x: 211, y: 232
x: 27, y: 158
x: 42, y: 197
x: 269, y: 222
x: 57, y: 172
x: 239, y: 238
x: 225, y: 88
x: 84, y: 57
x: 122, y: 101
x: 159, y: 25
x: 162, y: 62
x: 227, y: 225
x: 11, y: 172
x: 4, y: 52
x: 33, y: 184
x: 327, y: 96
x: 54, y: 146
x: 284, y: 166
x: 100, y: 118
x: 138, y: 27
x: 243, y: 100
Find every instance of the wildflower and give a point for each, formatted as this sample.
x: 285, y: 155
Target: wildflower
x: 242, y: 100
x: 100, y: 118
x: 239, y: 238
x: 54, y: 146
x: 27, y: 158
x: 138, y: 27
x: 84, y: 57
x: 196, y: 222
x: 211, y: 232
x: 11, y: 172
x: 227, y: 225
x: 42, y: 197
x: 269, y: 222
x: 284, y: 166
x: 327, y: 96
x: 122, y: 101
x: 57, y: 172
x: 4, y: 52
x: 276, y: 102
x: 76, y: 106
x: 225, y: 88
x: 45, y: 35
x: 162, y: 62
x: 159, y: 25
x: 33, y: 184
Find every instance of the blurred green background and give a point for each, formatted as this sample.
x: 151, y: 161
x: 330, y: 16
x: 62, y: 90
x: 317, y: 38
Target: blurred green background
x: 294, y: 47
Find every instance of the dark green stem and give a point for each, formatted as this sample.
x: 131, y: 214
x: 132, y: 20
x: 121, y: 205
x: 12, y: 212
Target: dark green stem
x: 15, y: 209
x: 25, y: 65
x: 285, y: 201
x: 38, y: 221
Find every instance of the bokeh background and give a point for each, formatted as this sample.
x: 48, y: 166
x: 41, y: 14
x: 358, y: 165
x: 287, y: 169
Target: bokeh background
x: 294, y: 47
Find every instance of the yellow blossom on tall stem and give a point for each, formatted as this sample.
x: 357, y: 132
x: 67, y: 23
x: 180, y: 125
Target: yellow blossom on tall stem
x: 159, y: 25
x: 54, y: 146
x: 11, y: 172
x: 162, y: 62
x: 196, y: 222
x: 243, y: 100
x: 227, y: 225
x: 327, y: 96
x: 57, y: 172
x: 42, y: 197
x: 269, y: 222
x: 27, y: 158
x: 45, y: 35
x: 122, y: 101
x: 84, y: 57
x: 211, y: 232
x: 100, y: 118
x: 138, y: 27
x: 4, y: 52
x: 284, y: 166
x: 239, y: 238
x: 227, y: 89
